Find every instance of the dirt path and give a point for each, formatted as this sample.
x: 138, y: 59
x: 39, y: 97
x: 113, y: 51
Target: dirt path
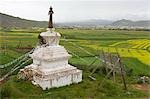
x: 144, y: 87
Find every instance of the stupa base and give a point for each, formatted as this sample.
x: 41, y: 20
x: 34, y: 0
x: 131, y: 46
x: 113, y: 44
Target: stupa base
x: 51, y: 78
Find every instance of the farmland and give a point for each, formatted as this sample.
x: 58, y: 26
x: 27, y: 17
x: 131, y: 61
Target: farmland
x: 132, y: 46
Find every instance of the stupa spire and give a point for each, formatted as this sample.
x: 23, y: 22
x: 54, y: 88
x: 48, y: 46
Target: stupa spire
x: 50, y: 25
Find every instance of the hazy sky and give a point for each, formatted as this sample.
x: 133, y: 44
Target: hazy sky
x: 76, y: 10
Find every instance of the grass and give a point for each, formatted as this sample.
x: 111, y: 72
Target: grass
x: 16, y: 42
x: 8, y: 55
x: 138, y: 67
x: 86, y: 89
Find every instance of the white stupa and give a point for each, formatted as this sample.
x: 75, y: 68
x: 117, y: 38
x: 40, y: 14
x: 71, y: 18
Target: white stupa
x: 50, y: 66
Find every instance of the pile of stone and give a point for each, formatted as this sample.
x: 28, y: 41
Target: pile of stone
x: 143, y: 80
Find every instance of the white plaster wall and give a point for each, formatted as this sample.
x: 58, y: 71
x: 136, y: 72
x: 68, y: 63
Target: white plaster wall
x: 51, y: 37
x: 45, y: 84
x: 59, y: 81
x: 36, y: 62
x: 77, y: 77
x: 54, y: 64
x: 62, y: 81
x: 42, y: 83
x: 50, y: 53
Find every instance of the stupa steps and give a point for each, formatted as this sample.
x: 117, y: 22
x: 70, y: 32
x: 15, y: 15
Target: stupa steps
x: 60, y: 74
x: 55, y: 70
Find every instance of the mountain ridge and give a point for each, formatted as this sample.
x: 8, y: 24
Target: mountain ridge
x: 125, y: 22
x: 11, y: 21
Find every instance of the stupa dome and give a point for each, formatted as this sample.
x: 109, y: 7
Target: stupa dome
x: 51, y: 37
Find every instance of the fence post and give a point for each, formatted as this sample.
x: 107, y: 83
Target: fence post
x: 122, y: 73
x: 112, y: 67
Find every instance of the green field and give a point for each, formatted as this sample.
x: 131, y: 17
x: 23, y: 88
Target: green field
x: 132, y: 46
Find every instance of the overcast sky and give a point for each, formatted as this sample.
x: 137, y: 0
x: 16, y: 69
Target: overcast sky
x: 76, y: 10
